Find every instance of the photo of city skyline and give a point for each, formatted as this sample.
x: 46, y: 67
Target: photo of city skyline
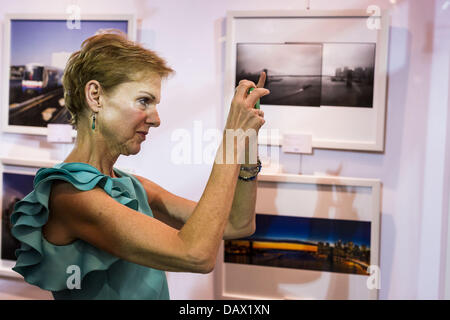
x: 39, y: 50
x: 304, y: 243
x: 310, y: 74
x: 348, y: 74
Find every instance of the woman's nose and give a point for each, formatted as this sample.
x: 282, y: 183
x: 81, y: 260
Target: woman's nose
x: 153, y: 119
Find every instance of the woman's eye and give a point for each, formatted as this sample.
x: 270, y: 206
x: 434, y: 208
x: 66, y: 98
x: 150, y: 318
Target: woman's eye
x: 144, y: 101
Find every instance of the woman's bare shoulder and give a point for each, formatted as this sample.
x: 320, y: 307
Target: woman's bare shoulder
x: 68, y: 207
x: 55, y: 230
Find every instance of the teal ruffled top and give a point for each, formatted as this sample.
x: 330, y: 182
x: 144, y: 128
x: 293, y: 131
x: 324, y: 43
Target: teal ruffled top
x: 103, y: 276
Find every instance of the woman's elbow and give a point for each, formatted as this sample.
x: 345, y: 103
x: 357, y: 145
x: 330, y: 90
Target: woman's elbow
x: 208, y: 267
x: 247, y: 231
x: 251, y: 229
x: 201, y: 262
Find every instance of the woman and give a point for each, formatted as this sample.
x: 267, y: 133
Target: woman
x: 91, y: 231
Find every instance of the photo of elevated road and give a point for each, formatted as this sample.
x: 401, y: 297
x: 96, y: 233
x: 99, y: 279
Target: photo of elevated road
x: 32, y: 107
x: 304, y: 243
x: 39, y: 52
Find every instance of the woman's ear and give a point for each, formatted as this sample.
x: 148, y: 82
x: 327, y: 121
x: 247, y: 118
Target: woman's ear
x: 92, y: 92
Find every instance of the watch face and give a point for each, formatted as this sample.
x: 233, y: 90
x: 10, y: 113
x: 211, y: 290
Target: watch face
x: 247, y: 178
x: 249, y: 174
x: 246, y: 175
x: 251, y: 171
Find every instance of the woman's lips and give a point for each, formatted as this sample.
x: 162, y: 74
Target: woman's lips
x: 142, y: 134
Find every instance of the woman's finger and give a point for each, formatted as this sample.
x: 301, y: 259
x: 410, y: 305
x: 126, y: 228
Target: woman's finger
x: 258, y: 112
x: 243, y: 87
x: 262, y: 80
x: 255, y: 95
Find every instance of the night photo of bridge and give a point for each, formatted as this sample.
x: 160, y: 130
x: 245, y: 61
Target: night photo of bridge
x: 39, y: 52
x: 15, y: 187
x: 304, y: 243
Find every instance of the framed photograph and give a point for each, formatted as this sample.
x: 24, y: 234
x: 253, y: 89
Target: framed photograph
x: 36, y: 50
x: 16, y: 181
x: 326, y: 72
x: 316, y: 238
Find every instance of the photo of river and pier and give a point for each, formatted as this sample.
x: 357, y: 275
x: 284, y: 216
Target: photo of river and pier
x: 310, y: 74
x: 293, y: 72
x: 304, y: 243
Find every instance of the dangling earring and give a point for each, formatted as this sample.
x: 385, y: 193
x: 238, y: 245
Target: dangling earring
x: 93, y: 122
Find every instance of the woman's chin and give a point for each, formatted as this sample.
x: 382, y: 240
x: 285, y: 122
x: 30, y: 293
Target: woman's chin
x: 133, y: 150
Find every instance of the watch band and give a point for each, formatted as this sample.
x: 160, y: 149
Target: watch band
x: 249, y: 173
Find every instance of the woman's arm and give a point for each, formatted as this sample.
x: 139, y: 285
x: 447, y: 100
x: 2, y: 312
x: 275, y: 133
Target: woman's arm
x: 175, y: 210
x: 242, y: 215
x: 98, y: 219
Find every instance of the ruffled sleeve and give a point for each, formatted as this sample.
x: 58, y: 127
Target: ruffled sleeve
x: 42, y: 263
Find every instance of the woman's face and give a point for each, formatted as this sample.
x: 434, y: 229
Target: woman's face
x: 128, y: 112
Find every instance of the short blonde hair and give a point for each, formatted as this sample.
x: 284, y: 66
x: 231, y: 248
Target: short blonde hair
x: 111, y: 59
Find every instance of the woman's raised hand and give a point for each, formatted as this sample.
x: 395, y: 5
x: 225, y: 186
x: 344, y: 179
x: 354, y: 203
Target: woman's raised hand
x: 242, y: 114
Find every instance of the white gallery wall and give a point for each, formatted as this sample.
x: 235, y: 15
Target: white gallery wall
x: 414, y: 169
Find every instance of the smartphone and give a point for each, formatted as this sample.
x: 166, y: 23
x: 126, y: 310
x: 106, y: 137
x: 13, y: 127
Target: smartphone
x: 257, y: 103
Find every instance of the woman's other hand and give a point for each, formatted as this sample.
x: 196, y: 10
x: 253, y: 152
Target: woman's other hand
x: 242, y: 114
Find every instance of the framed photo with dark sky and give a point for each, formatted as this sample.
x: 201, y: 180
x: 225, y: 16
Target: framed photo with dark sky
x: 16, y: 181
x: 36, y: 51
x: 326, y: 72
x: 331, y: 245
x: 317, y: 237
x: 15, y: 187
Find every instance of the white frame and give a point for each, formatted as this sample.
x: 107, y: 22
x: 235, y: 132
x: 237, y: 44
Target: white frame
x: 380, y: 80
x: 375, y: 187
x: 18, y: 166
x: 7, y: 52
